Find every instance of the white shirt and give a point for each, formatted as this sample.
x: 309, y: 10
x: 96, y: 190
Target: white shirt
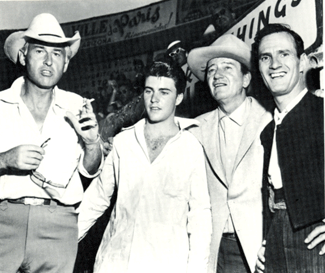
x: 274, y: 170
x: 233, y: 126
x: 63, y: 153
x: 162, y: 219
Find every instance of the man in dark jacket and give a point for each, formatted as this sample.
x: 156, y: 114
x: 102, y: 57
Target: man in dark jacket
x: 294, y: 158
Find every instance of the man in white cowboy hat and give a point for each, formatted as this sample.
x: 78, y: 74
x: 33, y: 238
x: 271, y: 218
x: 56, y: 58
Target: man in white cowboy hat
x: 47, y: 136
x: 234, y: 155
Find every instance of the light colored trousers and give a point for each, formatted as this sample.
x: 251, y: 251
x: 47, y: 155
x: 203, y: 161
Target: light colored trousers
x: 44, y: 238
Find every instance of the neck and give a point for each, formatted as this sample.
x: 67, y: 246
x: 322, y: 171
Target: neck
x: 165, y: 128
x: 230, y: 106
x: 35, y: 96
x: 283, y: 101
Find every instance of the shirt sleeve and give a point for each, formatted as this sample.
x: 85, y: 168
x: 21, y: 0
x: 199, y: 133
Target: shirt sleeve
x: 199, y: 219
x: 97, y: 197
x: 83, y: 170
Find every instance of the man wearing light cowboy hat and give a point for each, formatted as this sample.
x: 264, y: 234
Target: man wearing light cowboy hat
x: 234, y: 155
x: 47, y: 136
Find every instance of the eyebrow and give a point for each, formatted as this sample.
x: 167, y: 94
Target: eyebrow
x: 227, y: 63
x: 43, y: 47
x: 278, y: 51
x: 160, y: 89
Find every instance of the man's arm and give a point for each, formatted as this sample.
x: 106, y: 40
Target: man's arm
x: 21, y: 158
x: 87, y: 128
x: 199, y: 219
x: 97, y: 198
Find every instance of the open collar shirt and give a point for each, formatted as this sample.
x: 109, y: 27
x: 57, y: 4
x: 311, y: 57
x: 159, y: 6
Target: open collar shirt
x: 274, y: 170
x: 232, y: 128
x: 63, y: 153
x: 162, y: 219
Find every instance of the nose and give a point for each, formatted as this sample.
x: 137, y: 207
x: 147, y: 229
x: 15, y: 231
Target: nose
x: 48, y: 59
x: 275, y: 63
x: 218, y: 74
x: 154, y: 97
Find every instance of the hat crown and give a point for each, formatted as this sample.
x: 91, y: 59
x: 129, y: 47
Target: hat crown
x: 45, y: 24
x: 226, y: 46
x: 231, y: 41
x: 45, y: 28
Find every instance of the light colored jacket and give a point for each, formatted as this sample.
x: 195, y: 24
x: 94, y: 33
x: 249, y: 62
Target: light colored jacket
x: 241, y: 197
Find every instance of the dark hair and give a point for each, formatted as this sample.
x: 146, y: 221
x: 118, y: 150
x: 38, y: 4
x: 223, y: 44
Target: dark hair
x: 168, y: 69
x: 276, y: 28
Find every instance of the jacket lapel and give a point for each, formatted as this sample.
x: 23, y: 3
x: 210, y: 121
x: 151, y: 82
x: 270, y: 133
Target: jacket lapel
x: 254, y: 125
x: 210, y: 139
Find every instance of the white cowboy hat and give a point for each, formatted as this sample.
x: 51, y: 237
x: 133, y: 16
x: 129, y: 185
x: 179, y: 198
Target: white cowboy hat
x: 226, y: 46
x: 44, y: 27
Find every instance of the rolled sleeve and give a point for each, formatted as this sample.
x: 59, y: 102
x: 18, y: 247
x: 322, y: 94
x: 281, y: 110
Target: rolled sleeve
x: 83, y: 170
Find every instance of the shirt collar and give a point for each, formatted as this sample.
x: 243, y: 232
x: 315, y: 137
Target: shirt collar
x: 182, y: 123
x: 12, y: 95
x: 279, y: 116
x: 237, y: 116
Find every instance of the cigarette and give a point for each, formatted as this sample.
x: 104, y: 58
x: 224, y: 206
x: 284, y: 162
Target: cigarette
x: 90, y: 100
x: 45, y: 142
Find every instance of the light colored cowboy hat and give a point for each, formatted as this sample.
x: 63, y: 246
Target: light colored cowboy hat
x: 173, y: 46
x: 44, y: 27
x: 226, y: 46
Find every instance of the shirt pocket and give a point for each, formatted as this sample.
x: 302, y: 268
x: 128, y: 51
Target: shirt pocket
x: 176, y: 187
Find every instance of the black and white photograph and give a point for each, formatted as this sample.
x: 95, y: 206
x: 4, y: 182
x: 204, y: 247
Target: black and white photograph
x: 179, y: 136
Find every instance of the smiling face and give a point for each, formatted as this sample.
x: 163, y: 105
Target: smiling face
x: 160, y: 99
x: 226, y: 81
x: 45, y: 65
x: 279, y: 64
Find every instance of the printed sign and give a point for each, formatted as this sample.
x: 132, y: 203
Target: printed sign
x: 300, y: 15
x: 123, y: 26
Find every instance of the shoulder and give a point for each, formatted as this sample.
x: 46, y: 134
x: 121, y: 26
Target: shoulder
x: 206, y: 116
x: 259, y: 112
x: 126, y: 135
x: 315, y: 102
x: 68, y: 95
x: 205, y: 124
x: 68, y: 100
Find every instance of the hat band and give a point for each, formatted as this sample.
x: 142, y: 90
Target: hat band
x: 48, y: 34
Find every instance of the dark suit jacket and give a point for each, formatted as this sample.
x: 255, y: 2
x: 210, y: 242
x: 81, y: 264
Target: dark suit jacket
x: 300, y: 145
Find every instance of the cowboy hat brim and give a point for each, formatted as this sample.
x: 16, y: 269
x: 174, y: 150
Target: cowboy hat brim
x: 17, y: 40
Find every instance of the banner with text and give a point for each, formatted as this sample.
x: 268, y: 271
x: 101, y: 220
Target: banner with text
x: 123, y: 26
x: 300, y: 15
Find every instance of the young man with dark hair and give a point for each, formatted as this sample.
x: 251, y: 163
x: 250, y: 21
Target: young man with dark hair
x: 294, y: 157
x: 162, y: 220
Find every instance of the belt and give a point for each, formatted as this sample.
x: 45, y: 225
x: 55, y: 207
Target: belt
x: 276, y: 199
x: 34, y: 201
x: 229, y: 235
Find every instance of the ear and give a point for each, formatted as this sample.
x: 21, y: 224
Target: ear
x: 179, y: 99
x: 66, y: 64
x: 247, y: 79
x: 304, y: 62
x: 22, y: 57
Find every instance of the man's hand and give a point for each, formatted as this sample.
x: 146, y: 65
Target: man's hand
x: 260, y: 259
x: 316, y: 237
x: 23, y: 157
x: 86, y: 126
